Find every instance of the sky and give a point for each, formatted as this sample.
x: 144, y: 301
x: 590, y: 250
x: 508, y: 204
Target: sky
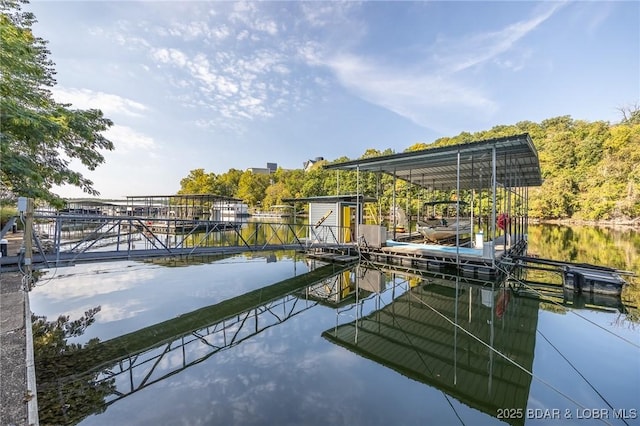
x: 221, y: 85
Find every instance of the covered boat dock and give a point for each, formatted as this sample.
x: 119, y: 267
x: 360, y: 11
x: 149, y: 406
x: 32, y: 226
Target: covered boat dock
x: 490, y: 177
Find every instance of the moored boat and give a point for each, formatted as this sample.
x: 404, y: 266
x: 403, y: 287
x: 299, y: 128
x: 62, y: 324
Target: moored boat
x: 445, y: 230
x: 445, y: 226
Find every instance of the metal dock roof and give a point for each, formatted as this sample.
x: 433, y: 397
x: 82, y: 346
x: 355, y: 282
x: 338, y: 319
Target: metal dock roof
x: 517, y: 164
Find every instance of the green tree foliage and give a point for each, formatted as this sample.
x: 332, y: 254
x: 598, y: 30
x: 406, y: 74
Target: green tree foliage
x: 252, y: 187
x: 67, y: 402
x: 591, y: 170
x: 198, y: 182
x: 314, y: 182
x: 38, y: 136
x: 227, y: 183
x: 292, y: 181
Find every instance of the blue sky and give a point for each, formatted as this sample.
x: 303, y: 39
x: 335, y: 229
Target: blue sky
x: 220, y: 85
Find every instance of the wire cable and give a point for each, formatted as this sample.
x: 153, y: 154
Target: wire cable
x: 426, y: 366
x: 544, y: 382
x: 579, y: 373
x: 571, y: 310
x: 560, y: 353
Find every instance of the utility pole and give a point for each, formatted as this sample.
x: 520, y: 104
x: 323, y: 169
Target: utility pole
x: 28, y: 238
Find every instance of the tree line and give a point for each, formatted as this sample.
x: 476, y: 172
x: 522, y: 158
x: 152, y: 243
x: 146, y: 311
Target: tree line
x: 590, y: 171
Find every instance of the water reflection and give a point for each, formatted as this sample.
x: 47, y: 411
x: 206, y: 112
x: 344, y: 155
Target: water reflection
x: 60, y: 401
x: 75, y: 381
x: 471, y: 340
x: 613, y: 247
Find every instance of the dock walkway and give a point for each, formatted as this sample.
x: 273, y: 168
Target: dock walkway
x: 18, y: 402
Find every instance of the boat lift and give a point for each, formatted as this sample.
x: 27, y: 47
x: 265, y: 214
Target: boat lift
x: 579, y: 277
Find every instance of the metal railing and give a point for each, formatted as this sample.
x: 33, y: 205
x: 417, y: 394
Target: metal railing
x: 66, y: 237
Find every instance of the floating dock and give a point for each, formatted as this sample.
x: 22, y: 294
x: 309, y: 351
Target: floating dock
x: 484, y: 263
x: 580, y: 277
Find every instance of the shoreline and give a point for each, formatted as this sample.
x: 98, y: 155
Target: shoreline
x: 611, y: 223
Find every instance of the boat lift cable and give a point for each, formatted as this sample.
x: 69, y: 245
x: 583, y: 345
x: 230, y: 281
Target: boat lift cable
x: 562, y: 355
x: 571, y: 310
x: 579, y: 373
x: 421, y: 358
x: 544, y: 382
x: 427, y: 366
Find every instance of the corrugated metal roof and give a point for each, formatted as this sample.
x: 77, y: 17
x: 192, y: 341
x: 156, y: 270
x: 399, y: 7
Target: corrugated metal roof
x: 517, y: 164
x: 206, y: 197
x: 347, y: 198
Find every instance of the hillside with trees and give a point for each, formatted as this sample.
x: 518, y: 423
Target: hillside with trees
x: 591, y: 171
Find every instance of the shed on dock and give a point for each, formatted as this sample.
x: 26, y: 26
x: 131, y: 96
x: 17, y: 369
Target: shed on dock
x: 338, y: 215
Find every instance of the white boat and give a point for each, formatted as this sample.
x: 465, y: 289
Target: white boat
x: 446, y: 226
x: 276, y: 212
x: 440, y: 232
x: 229, y: 212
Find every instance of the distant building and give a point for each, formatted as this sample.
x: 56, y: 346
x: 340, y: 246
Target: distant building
x: 307, y: 165
x: 271, y: 168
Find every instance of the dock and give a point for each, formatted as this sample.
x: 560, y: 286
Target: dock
x: 579, y: 277
x: 18, y: 396
x: 339, y: 255
x: 484, y: 263
x: 486, y: 182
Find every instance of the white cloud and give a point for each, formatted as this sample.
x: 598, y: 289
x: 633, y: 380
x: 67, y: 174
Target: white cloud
x: 111, y: 312
x: 427, y: 92
x: 121, y: 35
x: 221, y: 32
x: 253, y: 69
x: 227, y: 64
x: 231, y: 85
x: 191, y: 30
x: 108, y: 103
x: 323, y: 14
x: 126, y: 140
x: 78, y: 284
x: 415, y: 94
x: 266, y: 25
x: 456, y: 55
x: 169, y: 56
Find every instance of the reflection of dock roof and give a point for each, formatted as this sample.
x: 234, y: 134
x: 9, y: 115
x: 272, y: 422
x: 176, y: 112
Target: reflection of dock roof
x: 412, y: 339
x: 516, y: 163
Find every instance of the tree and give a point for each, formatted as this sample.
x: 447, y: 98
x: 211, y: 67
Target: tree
x: 252, y: 187
x: 292, y: 180
x: 198, y: 182
x: 68, y: 401
x: 38, y: 136
x: 274, y: 194
x: 227, y: 184
x: 630, y: 114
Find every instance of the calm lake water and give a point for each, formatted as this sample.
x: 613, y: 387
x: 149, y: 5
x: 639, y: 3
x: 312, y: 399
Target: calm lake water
x: 235, y: 340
